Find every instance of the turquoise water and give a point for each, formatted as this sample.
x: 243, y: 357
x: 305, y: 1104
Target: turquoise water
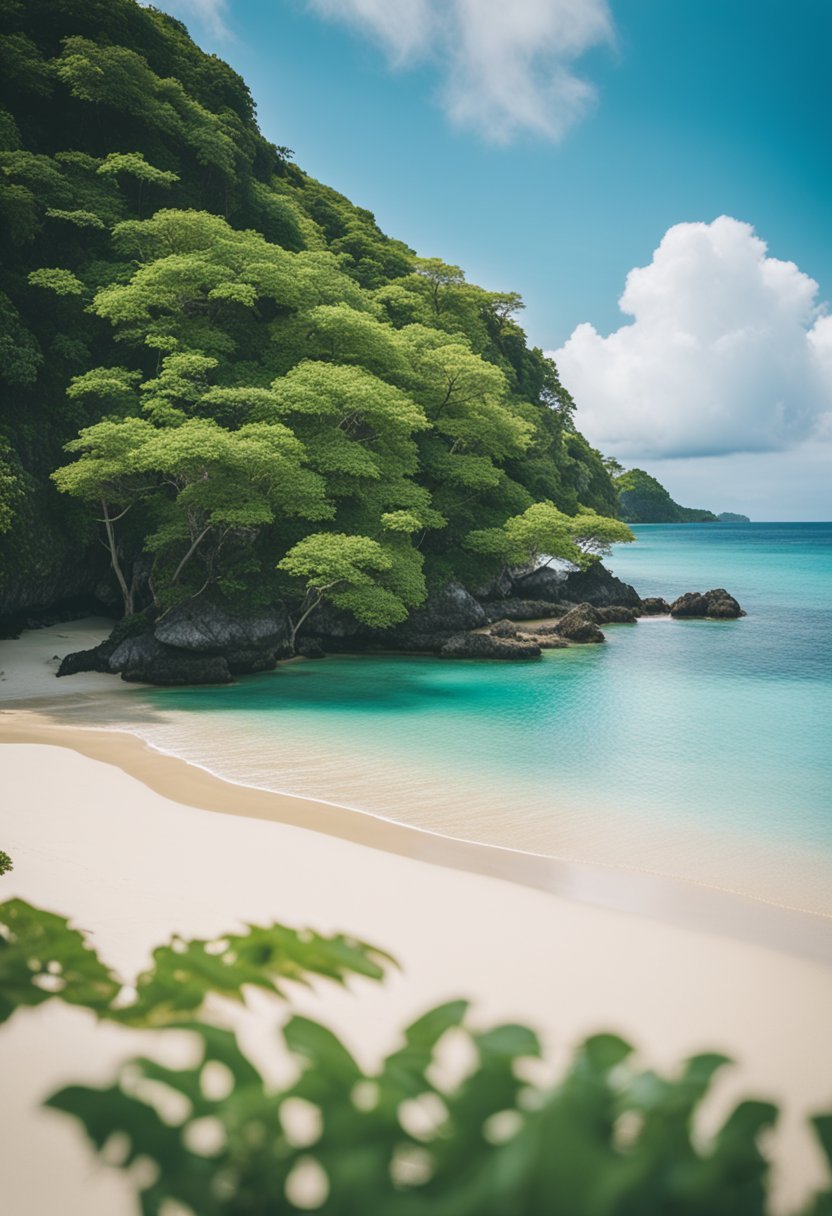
x: 699, y: 749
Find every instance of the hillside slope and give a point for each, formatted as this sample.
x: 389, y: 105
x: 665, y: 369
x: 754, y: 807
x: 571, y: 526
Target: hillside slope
x: 167, y: 268
x: 644, y: 500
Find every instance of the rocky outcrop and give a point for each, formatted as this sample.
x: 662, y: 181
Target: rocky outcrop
x: 580, y: 624
x: 546, y: 639
x: 717, y: 604
x: 504, y: 629
x: 208, y: 626
x: 521, y: 610
x: 616, y: 615
x: 450, y: 609
x: 595, y: 586
x: 310, y: 648
x: 144, y: 659
x: 484, y: 646
x: 198, y: 642
x: 654, y: 605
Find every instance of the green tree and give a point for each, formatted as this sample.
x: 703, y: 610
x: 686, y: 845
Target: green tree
x: 349, y: 572
x: 109, y: 474
x: 543, y: 533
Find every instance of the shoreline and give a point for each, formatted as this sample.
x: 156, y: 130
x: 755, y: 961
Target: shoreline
x: 132, y: 867
x: 673, y: 901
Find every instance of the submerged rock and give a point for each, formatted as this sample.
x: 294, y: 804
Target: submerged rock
x: 484, y: 646
x: 717, y: 604
x: 580, y: 624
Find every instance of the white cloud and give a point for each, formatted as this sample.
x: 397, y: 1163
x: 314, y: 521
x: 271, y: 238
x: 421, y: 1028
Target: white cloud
x: 507, y: 65
x: 728, y: 351
x: 210, y: 14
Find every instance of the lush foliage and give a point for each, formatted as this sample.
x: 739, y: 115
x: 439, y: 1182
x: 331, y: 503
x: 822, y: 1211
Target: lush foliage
x: 454, y: 1122
x: 236, y: 359
x: 6, y: 863
x: 643, y: 500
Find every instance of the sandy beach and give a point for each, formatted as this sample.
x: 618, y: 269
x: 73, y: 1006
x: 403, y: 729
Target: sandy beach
x: 134, y: 845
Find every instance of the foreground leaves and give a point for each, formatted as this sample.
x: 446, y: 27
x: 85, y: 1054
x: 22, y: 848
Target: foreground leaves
x: 42, y: 957
x: 454, y: 1121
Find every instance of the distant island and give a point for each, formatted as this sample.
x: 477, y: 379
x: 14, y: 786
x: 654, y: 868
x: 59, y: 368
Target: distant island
x: 644, y: 500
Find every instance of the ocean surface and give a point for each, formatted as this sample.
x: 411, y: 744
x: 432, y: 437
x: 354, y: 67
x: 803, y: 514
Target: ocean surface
x: 698, y: 749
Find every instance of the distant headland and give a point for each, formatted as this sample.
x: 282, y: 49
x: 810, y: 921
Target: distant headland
x: 644, y: 500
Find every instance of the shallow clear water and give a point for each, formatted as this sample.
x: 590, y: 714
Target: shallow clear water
x: 700, y: 749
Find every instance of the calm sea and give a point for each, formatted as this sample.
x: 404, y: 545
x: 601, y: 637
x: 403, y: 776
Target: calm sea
x: 690, y: 748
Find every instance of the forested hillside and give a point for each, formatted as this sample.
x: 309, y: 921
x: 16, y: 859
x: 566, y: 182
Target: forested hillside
x: 260, y: 391
x: 644, y: 500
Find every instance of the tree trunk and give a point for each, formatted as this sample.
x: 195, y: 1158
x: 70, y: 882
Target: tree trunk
x: 126, y: 591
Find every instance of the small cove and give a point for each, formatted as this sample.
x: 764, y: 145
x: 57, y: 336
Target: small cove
x: 693, y: 749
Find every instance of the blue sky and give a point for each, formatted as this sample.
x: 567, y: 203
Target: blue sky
x: 691, y: 110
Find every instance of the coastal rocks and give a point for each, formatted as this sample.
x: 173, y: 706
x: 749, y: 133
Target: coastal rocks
x: 451, y: 609
x: 198, y: 642
x: 616, y: 614
x: 503, y: 629
x: 146, y: 660
x: 580, y: 624
x: 722, y: 605
x: 310, y: 648
x: 595, y: 586
x: 520, y: 610
x: 654, y: 605
x: 717, y: 604
x: 484, y: 646
x: 207, y: 626
x: 546, y: 639
x: 96, y: 659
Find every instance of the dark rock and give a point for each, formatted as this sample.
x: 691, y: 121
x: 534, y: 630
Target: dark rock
x: 310, y: 648
x: 330, y: 622
x: 498, y: 588
x: 483, y: 646
x: 207, y: 626
x: 580, y: 625
x: 691, y: 604
x: 147, y: 660
x: 451, y: 609
x: 717, y: 603
x: 596, y: 586
x: 249, y: 662
x: 422, y: 643
x: 722, y: 605
x: 96, y: 659
x: 521, y: 610
x: 503, y: 629
x: 654, y: 605
x: 616, y: 615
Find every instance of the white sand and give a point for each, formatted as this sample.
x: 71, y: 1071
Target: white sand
x: 28, y: 664
x: 132, y: 866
